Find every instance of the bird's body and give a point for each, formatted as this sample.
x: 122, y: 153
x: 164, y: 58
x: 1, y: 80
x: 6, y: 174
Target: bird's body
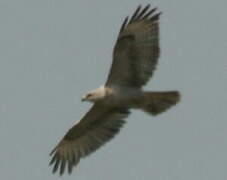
x: 135, y: 57
x: 131, y: 98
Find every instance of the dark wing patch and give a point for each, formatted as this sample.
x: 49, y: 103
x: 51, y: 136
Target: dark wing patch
x: 97, y: 127
x: 137, y: 50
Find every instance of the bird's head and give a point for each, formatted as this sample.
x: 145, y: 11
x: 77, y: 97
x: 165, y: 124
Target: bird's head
x: 95, y: 95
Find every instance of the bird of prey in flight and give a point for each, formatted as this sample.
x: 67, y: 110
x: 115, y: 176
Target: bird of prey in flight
x: 135, y: 57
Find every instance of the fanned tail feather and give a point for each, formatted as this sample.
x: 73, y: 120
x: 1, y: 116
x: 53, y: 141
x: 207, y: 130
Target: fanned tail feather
x: 157, y: 102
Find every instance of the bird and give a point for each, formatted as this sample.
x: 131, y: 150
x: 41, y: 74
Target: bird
x: 135, y: 56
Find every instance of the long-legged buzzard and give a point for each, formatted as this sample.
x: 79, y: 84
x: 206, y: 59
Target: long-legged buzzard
x: 135, y: 56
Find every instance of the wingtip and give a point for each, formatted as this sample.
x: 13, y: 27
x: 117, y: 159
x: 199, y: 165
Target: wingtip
x: 139, y: 7
x: 155, y: 16
x: 135, y: 14
x: 53, y: 150
x: 124, y: 23
x: 62, y: 167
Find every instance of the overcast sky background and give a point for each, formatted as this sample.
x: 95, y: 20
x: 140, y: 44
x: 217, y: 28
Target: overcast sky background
x: 52, y: 52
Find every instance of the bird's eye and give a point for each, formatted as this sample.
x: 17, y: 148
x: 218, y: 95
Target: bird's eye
x: 89, y: 95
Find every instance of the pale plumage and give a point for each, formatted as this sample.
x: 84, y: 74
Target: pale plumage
x: 134, y: 59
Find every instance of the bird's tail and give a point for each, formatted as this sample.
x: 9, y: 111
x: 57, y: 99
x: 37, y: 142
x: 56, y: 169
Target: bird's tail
x: 157, y: 102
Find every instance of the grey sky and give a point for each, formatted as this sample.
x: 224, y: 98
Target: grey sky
x: 52, y: 52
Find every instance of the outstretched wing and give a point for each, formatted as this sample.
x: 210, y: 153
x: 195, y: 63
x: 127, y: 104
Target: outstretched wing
x: 97, y: 127
x: 136, y: 51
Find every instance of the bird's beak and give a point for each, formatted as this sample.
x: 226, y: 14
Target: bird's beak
x: 83, y: 98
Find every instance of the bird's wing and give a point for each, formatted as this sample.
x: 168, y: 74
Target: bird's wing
x: 98, y: 126
x: 136, y: 51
